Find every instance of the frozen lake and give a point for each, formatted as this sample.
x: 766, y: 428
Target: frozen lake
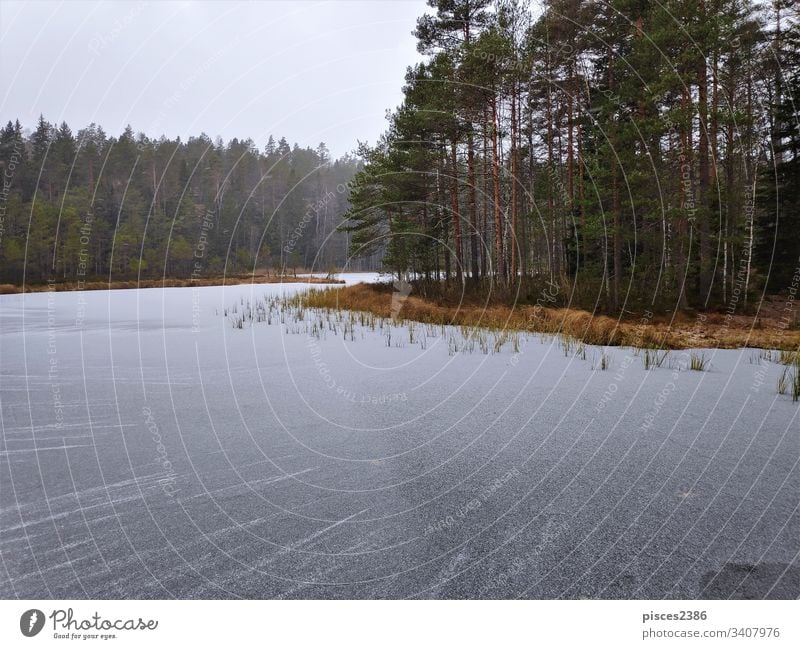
x: 150, y: 449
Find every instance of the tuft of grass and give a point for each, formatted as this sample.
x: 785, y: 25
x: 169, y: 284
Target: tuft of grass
x: 698, y: 362
x: 790, y: 378
x: 605, y: 361
x: 654, y: 358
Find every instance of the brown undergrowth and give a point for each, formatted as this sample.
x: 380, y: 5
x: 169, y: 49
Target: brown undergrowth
x: 685, y: 331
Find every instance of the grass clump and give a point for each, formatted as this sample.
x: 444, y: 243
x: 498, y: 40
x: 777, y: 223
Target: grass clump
x: 783, y: 379
x: 698, y: 362
x: 789, y: 380
x: 654, y: 358
x: 605, y: 362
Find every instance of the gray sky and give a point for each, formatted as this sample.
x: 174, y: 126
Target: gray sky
x: 309, y: 71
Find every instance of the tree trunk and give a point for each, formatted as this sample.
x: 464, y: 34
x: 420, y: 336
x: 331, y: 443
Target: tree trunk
x: 456, y: 217
x: 485, y: 215
x: 473, y: 212
x: 706, y: 269
x: 498, y: 220
x: 555, y: 273
x: 514, y: 240
x: 615, y: 204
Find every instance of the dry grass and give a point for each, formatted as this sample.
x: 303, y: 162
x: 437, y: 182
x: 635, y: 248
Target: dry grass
x: 579, y: 324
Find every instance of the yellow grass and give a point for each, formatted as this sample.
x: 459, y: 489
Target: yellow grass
x: 579, y: 324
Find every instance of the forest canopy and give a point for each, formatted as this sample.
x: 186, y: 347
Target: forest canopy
x: 78, y: 206
x: 630, y: 152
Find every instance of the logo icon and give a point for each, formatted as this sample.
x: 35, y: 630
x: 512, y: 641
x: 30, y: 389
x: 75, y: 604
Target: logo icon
x: 31, y: 622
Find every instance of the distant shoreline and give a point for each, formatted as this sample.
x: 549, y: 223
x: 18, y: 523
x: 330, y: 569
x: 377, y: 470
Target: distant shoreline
x: 168, y: 282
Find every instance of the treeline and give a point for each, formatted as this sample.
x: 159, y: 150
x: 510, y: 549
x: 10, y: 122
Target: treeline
x: 620, y: 153
x: 89, y: 206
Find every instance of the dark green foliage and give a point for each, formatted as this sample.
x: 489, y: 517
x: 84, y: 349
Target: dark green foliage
x: 87, y: 206
x: 616, y: 149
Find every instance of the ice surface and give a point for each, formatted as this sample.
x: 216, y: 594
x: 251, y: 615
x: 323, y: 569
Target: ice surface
x: 151, y: 449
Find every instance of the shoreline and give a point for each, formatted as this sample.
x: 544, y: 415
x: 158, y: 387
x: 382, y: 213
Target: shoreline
x: 684, y: 331
x: 100, y: 285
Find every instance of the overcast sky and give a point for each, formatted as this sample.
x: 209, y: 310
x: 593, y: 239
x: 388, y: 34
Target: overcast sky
x: 309, y: 71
